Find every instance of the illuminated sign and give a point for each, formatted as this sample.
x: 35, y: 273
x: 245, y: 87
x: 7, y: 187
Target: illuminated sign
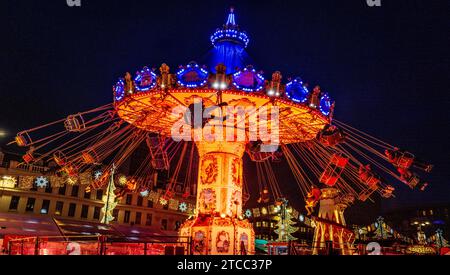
x: 8, y: 182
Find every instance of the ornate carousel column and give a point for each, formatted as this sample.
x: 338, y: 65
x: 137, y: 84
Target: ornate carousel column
x: 218, y: 227
x: 330, y: 224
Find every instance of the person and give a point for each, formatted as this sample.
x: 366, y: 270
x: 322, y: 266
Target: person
x: 331, y: 135
x: 411, y: 179
x: 367, y: 176
x: 314, y: 97
x: 129, y: 84
x: 405, y: 159
x: 264, y: 196
x: 387, y: 191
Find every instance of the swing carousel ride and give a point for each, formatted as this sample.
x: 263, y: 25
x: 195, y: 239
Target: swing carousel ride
x: 333, y: 164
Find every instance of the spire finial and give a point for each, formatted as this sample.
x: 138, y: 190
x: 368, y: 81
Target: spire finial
x: 231, y: 20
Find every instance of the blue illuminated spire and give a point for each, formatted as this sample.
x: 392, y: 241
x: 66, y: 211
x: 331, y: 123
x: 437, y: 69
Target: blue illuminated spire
x: 230, y: 32
x: 229, y: 46
x: 231, y: 19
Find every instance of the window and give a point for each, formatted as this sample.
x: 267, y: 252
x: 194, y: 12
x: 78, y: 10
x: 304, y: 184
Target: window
x: 148, y: 222
x: 150, y: 204
x: 84, y: 211
x: 97, y: 213
x: 424, y: 213
x: 59, y: 208
x: 72, y: 208
x: 431, y: 212
x: 62, y: 190
x: 138, y: 218
x: 45, y: 206
x: 129, y: 199
x: 177, y: 225
x: 14, y: 203
x: 126, y: 218
x: 99, y: 195
x: 75, y: 190
x: 163, y: 224
x: 48, y: 189
x: 30, y: 204
x: 87, y: 195
x: 140, y: 201
x: 258, y: 224
x: 116, y: 214
x: 265, y: 224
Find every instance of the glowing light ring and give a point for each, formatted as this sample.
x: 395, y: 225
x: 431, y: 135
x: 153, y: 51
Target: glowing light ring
x: 119, y: 90
x: 258, y: 81
x: 41, y: 182
x: 296, y: 91
x: 229, y: 34
x: 183, y: 207
x: 147, y: 75
x: 202, y: 76
x: 325, y: 104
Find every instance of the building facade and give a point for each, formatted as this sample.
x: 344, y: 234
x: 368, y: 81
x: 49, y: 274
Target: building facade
x: 74, y: 202
x: 265, y: 218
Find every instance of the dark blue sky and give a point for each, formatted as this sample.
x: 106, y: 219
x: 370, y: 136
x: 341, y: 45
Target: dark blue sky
x: 386, y: 67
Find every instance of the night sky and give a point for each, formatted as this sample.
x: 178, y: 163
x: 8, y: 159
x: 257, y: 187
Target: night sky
x: 387, y: 67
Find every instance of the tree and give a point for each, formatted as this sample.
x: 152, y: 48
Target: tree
x: 109, y: 200
x: 382, y: 231
x: 285, y: 224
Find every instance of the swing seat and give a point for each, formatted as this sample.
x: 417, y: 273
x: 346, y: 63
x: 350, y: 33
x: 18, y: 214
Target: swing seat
x: 59, y: 158
x: 370, y: 179
x: 161, y: 162
x: 89, y: 157
x: 74, y: 123
x: 264, y: 196
x: 70, y: 170
x: 405, y: 160
x: 28, y: 158
x: 329, y: 178
x: 169, y: 194
x: 339, y: 160
x: 259, y: 156
x: 23, y: 139
x: 387, y: 192
x: 365, y: 195
x: 331, y: 138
